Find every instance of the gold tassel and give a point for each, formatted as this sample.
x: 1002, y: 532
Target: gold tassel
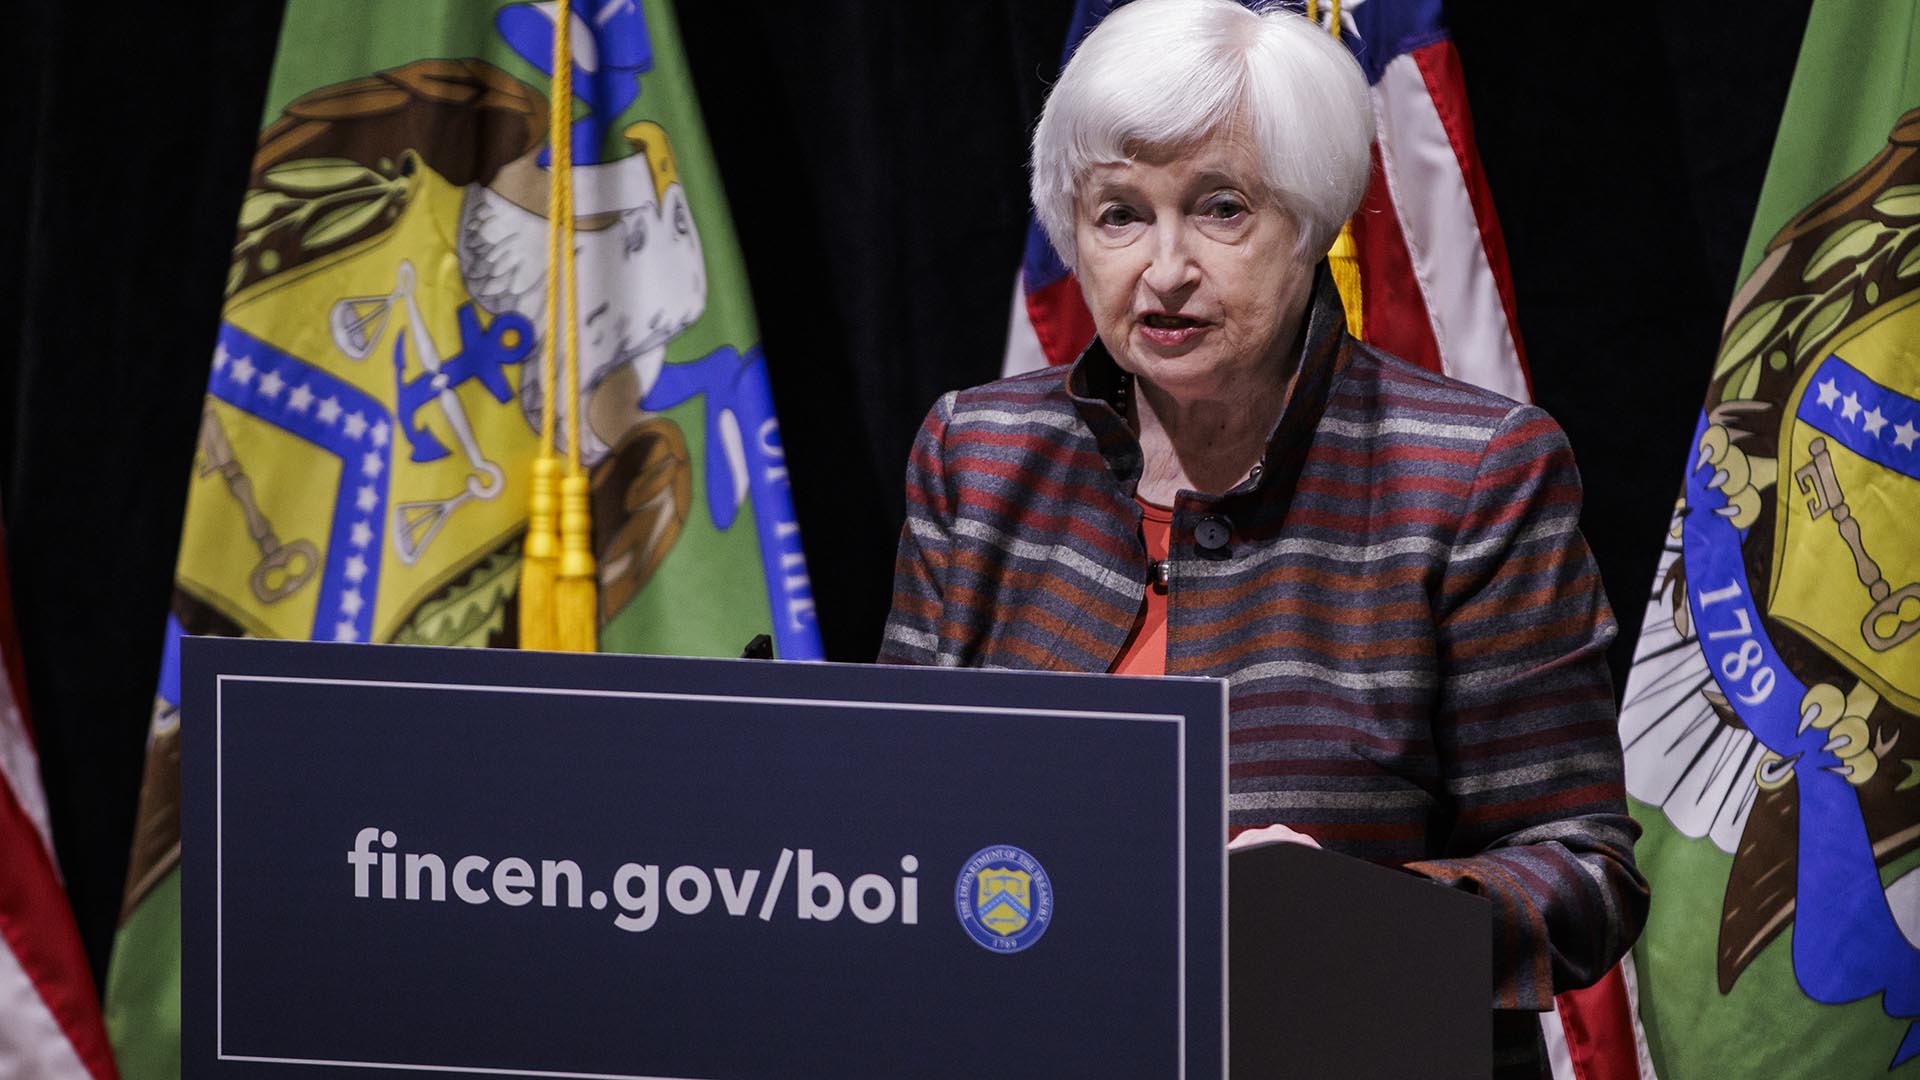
x: 558, y: 608
x: 540, y: 558
x: 576, y: 608
x: 1344, y: 261
x: 1344, y: 258
x: 1313, y: 14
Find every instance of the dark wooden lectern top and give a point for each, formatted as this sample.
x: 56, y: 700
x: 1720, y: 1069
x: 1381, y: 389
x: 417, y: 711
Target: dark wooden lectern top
x: 1339, y: 968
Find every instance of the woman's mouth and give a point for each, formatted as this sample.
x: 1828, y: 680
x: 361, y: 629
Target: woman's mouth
x: 1170, y: 330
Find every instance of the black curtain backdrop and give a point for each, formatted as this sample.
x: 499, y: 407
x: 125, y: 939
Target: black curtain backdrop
x: 873, y: 154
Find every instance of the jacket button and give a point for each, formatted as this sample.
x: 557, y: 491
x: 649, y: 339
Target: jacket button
x: 1213, y: 532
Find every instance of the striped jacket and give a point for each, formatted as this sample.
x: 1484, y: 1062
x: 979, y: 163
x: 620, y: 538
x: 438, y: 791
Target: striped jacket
x: 1409, y: 621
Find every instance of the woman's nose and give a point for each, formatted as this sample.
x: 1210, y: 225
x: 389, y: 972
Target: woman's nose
x: 1171, y: 265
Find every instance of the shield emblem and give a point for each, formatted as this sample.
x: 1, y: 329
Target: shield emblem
x: 1846, y: 574
x: 382, y: 446
x: 1004, y: 901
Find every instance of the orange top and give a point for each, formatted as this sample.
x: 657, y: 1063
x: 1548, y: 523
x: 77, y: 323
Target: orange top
x: 1146, y: 651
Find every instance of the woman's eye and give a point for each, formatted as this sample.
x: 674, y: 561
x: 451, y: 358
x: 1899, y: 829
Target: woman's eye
x: 1117, y: 216
x: 1225, y: 209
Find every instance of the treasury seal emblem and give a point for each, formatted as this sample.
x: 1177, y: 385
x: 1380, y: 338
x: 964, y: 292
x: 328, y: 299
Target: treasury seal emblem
x: 1003, y: 898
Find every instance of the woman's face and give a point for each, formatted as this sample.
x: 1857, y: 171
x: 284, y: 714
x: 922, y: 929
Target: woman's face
x: 1189, y: 266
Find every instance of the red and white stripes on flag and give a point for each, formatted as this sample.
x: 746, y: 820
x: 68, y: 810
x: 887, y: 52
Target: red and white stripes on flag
x: 1434, y: 283
x: 50, y: 1023
x: 1595, y: 1034
x: 1436, y: 290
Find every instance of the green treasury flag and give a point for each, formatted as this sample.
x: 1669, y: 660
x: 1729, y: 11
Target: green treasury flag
x: 374, y: 397
x: 1772, y: 718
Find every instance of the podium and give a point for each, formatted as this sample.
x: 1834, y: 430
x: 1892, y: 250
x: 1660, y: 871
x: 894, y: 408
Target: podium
x: 401, y: 861
x: 1339, y: 968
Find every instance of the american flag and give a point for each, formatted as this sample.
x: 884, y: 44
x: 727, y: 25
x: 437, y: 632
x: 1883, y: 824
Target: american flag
x: 49, y: 1014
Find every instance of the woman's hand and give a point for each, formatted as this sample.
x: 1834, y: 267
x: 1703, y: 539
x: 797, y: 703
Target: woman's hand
x: 1271, y: 834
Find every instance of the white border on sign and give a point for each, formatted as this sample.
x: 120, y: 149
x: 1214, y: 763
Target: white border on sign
x: 1180, y: 891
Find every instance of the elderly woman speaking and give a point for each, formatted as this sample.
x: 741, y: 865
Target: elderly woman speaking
x: 1383, y: 563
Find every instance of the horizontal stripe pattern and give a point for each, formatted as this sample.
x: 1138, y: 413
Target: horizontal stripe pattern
x: 1410, y: 624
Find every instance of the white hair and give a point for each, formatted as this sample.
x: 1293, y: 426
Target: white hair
x: 1165, y: 74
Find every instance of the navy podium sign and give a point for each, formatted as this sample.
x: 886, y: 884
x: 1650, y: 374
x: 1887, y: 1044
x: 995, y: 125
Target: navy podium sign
x: 405, y: 860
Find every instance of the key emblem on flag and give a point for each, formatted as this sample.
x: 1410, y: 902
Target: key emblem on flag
x: 1842, y: 574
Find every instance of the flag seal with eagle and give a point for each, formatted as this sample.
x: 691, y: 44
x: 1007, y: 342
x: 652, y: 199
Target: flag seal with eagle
x: 374, y: 399
x: 1770, y: 722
